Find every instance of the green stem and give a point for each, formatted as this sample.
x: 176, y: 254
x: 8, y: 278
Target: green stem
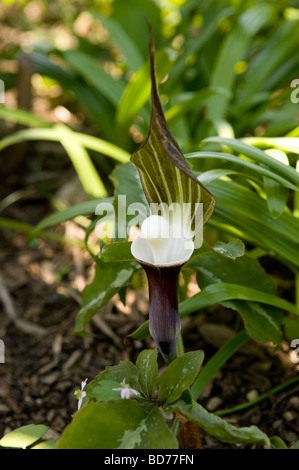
x: 263, y: 396
x: 180, y: 350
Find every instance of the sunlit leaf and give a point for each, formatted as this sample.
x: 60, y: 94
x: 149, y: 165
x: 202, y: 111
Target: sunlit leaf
x: 124, y: 424
x: 24, y: 436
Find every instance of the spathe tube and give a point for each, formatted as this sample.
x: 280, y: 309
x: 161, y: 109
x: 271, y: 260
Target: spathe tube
x: 162, y: 259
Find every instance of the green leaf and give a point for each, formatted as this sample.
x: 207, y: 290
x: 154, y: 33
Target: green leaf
x: 239, y: 204
x: 244, y: 270
x: 104, y: 390
x: 83, y: 165
x: 179, y: 376
x: 108, y: 280
x: 122, y: 40
x: 218, y: 427
x: 295, y: 446
x: 277, y: 195
x: 188, y: 102
x: 124, y: 371
x: 232, y: 50
x: 94, y: 73
x: 291, y: 327
x: 53, y: 134
x: 22, y: 117
x: 241, y: 163
x: 260, y: 156
x: 130, y: 204
x: 85, y: 208
x: 233, y: 249
x: 116, y: 252
x: 148, y: 369
x: 164, y: 173
x: 277, y: 443
x: 125, y: 424
x: 23, y: 436
x: 48, y: 444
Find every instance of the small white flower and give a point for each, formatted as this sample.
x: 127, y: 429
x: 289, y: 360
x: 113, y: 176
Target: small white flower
x: 126, y: 392
x: 80, y: 394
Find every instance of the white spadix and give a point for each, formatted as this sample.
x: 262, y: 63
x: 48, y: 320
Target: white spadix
x: 161, y: 243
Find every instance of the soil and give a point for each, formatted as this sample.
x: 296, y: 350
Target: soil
x: 40, y: 295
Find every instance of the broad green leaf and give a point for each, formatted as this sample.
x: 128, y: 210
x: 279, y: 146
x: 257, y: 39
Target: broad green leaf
x: 216, y: 362
x: 124, y: 424
x: 233, y: 249
x: 164, y: 173
x: 104, y: 390
x: 23, y: 436
x: 108, y: 280
x: 124, y: 371
x: 117, y: 252
x: 179, y: 376
x: 148, y: 369
x: 218, y: 427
